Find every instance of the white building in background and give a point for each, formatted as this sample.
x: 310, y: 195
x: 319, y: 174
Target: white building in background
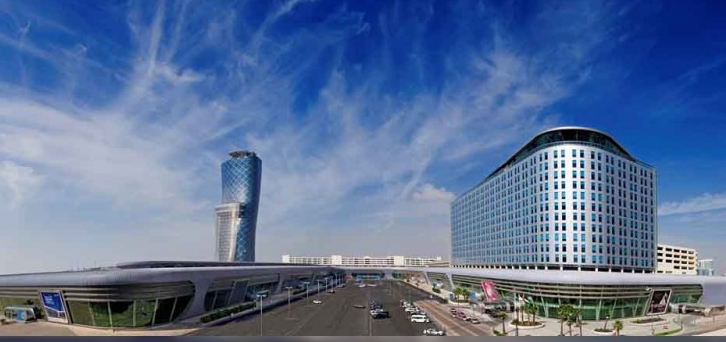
x: 676, y: 260
x: 705, y: 267
x: 339, y: 260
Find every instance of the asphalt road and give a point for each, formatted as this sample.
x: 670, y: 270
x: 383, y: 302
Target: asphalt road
x: 336, y: 316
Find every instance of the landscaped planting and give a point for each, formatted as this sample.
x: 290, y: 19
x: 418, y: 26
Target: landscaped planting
x: 226, y: 312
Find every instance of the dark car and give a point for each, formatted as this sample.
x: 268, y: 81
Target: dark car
x: 380, y: 314
x: 359, y: 306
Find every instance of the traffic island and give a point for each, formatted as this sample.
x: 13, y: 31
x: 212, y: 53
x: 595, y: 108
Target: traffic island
x: 647, y: 321
x: 603, y: 332
x: 526, y: 325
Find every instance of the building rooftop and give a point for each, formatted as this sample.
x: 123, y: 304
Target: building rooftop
x: 242, y: 153
x: 562, y: 134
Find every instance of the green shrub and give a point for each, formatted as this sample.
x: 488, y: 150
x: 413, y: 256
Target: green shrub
x: 648, y: 320
x: 435, y: 290
x: 226, y: 312
x: 666, y: 333
x: 498, y: 333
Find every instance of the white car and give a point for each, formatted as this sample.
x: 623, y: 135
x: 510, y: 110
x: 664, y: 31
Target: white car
x: 410, y: 309
x: 317, y: 302
x: 433, y: 332
x: 419, y: 319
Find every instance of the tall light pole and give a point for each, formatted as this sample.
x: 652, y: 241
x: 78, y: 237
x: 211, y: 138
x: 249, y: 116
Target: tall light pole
x: 259, y: 297
x: 288, y: 300
x: 307, y: 293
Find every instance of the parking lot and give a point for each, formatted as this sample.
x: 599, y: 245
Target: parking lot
x: 335, y: 316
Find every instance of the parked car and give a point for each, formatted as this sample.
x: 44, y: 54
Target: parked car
x: 359, y: 306
x: 410, y: 309
x: 331, y: 291
x: 420, y: 319
x: 433, y: 332
x: 474, y: 321
x: 317, y: 301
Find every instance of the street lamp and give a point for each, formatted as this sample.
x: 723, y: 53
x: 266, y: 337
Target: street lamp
x: 605, y: 327
x: 288, y: 300
x: 307, y: 293
x: 259, y: 298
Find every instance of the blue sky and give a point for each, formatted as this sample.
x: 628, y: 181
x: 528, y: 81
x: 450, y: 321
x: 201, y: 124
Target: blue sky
x: 369, y: 116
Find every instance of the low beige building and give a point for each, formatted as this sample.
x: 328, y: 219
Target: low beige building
x: 676, y: 260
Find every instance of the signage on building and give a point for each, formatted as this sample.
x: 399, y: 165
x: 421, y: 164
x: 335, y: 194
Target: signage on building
x: 55, y: 310
x: 490, y: 292
x: 658, y: 301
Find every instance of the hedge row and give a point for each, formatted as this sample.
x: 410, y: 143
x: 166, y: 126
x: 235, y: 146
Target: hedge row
x: 226, y: 312
x: 666, y: 333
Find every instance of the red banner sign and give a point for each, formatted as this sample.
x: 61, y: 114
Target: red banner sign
x: 489, y: 291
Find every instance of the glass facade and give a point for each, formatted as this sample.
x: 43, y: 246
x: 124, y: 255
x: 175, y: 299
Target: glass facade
x: 123, y: 306
x: 595, y: 301
x: 127, y: 314
x: 237, y: 217
x: 570, y: 199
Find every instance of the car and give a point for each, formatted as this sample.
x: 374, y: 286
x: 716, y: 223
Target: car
x: 433, y: 332
x: 359, y: 306
x: 420, y: 319
x: 453, y: 310
x: 362, y: 285
x: 379, y: 314
x: 474, y: 321
x: 317, y: 301
x: 372, y: 285
x: 331, y: 291
x: 410, y: 309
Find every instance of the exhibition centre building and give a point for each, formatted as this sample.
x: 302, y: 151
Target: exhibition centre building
x: 152, y: 294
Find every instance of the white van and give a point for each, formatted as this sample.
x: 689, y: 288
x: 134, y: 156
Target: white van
x: 419, y: 319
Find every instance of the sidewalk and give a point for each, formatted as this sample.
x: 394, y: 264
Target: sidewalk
x: 691, y: 324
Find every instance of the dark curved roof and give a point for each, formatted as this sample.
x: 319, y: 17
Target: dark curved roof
x: 566, y: 134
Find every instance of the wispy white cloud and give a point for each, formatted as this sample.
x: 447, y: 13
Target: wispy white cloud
x: 428, y: 192
x: 704, y: 202
x: 17, y: 182
x: 352, y: 165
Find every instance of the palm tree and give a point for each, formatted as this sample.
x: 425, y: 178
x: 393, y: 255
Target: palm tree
x: 503, y: 316
x: 531, y: 309
x: 564, y: 311
x: 618, y: 325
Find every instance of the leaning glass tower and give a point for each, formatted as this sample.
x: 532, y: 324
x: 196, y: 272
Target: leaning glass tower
x: 237, y: 215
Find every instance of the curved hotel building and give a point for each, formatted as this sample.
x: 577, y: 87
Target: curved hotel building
x: 571, y: 198
x: 237, y: 215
